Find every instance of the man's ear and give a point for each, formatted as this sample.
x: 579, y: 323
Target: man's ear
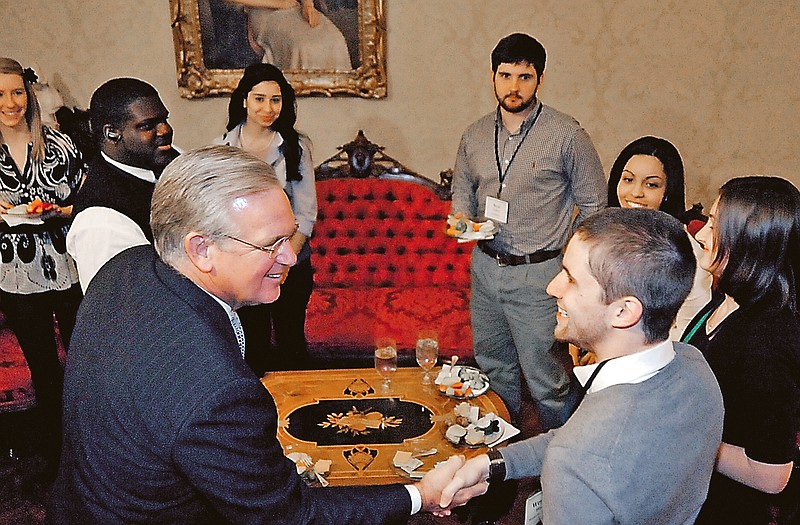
x: 111, y: 134
x: 198, y: 251
x: 626, y: 312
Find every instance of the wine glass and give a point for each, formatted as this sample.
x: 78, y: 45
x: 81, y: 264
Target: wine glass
x: 427, y: 354
x: 386, y: 361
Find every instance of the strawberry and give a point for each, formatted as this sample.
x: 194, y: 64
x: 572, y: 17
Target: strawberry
x: 39, y: 206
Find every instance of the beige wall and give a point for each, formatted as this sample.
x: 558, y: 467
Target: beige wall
x: 718, y: 78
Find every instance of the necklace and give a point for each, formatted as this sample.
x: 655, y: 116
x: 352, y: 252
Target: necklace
x: 256, y: 147
x: 726, y: 308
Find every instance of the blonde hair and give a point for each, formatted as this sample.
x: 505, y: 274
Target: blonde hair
x: 196, y: 191
x: 33, y: 113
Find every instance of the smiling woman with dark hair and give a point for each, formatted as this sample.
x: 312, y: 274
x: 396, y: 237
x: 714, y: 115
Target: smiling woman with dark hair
x: 648, y: 173
x: 261, y: 117
x: 750, y: 335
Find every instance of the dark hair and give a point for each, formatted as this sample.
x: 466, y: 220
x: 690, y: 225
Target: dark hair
x: 674, y: 201
x: 645, y: 254
x: 519, y: 47
x: 284, y: 124
x: 75, y: 123
x: 110, y: 103
x: 757, y: 240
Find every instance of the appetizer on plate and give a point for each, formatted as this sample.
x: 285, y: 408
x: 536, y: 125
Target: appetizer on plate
x: 463, y: 228
x: 462, y: 382
x: 470, y: 428
x: 35, y: 207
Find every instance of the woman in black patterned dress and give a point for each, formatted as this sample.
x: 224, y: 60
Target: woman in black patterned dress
x: 37, y: 277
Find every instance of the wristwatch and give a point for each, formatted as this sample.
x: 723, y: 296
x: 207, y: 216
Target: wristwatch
x: 497, y: 466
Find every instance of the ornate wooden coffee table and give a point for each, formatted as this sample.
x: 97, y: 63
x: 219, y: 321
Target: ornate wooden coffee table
x: 346, y: 417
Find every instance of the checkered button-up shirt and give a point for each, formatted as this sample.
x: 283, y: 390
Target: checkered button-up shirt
x: 555, y: 170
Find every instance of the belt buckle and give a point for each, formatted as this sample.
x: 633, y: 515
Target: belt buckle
x: 500, y: 261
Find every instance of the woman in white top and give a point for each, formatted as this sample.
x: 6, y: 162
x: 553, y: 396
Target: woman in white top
x: 648, y: 173
x: 261, y: 118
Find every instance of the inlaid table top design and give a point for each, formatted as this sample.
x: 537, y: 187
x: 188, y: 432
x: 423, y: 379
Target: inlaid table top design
x: 347, y: 417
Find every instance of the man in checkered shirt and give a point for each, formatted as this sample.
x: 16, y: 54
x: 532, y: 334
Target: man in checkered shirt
x: 535, y: 172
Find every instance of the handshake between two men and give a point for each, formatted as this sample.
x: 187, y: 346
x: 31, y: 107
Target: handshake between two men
x: 453, y: 483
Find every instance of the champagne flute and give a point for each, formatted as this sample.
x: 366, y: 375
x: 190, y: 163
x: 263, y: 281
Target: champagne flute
x: 427, y: 354
x: 386, y: 361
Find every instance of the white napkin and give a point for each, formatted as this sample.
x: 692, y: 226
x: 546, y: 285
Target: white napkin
x: 16, y: 220
x: 507, y: 431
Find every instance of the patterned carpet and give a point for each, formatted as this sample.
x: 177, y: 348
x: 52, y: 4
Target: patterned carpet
x: 23, y: 485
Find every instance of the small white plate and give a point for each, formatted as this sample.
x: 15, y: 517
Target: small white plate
x: 488, y: 440
x: 507, y: 431
x: 472, y: 235
x: 22, y: 210
x: 447, y: 370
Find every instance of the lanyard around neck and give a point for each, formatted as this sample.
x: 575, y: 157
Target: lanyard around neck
x: 501, y: 174
x: 700, y: 322
x: 592, y: 377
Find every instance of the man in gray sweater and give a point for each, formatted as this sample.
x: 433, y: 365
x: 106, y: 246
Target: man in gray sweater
x: 641, y: 446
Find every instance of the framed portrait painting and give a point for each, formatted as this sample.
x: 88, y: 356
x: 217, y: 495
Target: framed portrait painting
x: 324, y: 47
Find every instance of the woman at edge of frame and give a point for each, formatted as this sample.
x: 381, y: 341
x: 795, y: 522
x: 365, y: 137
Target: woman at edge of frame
x: 750, y: 335
x: 38, y: 279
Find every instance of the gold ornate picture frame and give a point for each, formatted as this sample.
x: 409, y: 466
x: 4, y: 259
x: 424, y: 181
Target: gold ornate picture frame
x: 215, y: 39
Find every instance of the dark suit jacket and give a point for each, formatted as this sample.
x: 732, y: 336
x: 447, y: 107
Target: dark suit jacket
x: 165, y: 423
x: 110, y: 187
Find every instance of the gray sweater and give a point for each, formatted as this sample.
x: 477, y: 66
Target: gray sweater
x: 631, y: 453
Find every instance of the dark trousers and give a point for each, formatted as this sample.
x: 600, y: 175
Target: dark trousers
x: 287, y: 316
x: 31, y: 318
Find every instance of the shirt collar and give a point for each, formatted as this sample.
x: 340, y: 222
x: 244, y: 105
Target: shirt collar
x: 139, y: 173
x: 529, y: 120
x: 628, y: 369
x: 226, y: 306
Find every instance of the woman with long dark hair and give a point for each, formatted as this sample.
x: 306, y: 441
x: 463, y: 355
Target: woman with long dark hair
x: 750, y: 336
x: 261, y: 119
x: 38, y: 279
x: 648, y: 173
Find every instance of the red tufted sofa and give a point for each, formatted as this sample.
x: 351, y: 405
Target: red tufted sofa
x: 383, y: 264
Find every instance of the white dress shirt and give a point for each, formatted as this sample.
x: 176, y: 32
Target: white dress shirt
x: 98, y: 233
x: 628, y: 369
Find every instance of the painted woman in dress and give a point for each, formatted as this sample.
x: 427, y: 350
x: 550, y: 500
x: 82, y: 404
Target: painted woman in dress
x: 37, y: 277
x: 294, y: 34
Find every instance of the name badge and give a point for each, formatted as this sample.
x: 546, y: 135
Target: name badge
x: 496, y: 209
x: 533, y: 509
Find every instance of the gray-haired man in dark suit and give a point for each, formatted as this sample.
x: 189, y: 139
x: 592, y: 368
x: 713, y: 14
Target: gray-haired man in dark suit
x: 164, y: 422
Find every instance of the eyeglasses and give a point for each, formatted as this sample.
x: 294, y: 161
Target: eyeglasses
x: 272, y: 249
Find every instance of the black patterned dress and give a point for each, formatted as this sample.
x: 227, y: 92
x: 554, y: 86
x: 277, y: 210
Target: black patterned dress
x: 34, y: 258
x: 38, y: 279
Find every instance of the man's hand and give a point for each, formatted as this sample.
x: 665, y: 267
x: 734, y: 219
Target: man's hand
x: 469, y: 481
x: 430, y: 488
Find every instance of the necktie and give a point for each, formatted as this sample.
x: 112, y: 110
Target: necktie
x: 238, y: 330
